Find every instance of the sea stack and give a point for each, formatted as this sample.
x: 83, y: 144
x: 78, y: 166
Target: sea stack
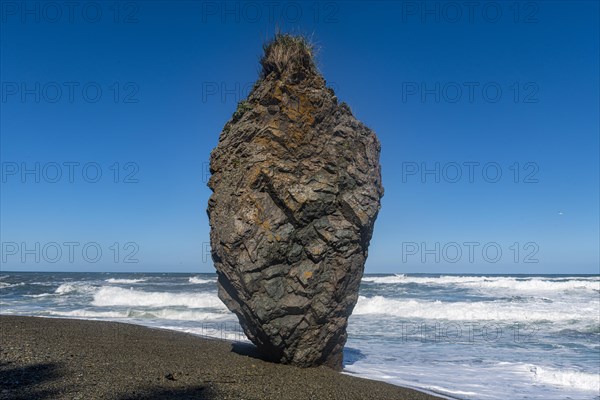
x: 296, y: 188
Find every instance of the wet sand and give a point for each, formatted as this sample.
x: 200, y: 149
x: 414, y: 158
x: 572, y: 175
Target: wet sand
x: 51, y: 358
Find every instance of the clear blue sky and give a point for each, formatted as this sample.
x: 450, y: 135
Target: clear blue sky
x: 498, y: 88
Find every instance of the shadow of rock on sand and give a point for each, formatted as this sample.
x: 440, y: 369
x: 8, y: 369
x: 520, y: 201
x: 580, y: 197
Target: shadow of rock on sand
x: 21, y: 383
x: 248, y: 349
x: 159, y: 393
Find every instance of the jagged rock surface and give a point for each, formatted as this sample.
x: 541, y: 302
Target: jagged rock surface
x: 296, y: 189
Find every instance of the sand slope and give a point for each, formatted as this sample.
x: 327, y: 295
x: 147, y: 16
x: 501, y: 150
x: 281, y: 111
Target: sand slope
x: 43, y: 358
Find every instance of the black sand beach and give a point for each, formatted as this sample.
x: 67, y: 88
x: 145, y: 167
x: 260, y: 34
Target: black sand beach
x: 47, y: 358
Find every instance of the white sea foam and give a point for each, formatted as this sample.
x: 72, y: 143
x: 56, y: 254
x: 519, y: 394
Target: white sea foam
x: 116, y: 296
x: 197, y: 280
x: 470, y: 311
x: 533, y: 284
x: 464, y: 381
x: 117, y: 280
x: 566, y: 378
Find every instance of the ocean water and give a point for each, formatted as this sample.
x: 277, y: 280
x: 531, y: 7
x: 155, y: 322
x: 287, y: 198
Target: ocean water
x: 466, y: 337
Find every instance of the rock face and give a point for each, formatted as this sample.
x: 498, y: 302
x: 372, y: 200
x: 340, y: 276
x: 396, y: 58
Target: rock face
x: 296, y: 189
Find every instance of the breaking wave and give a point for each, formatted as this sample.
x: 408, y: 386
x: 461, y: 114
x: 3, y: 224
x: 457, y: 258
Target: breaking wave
x: 483, y: 282
x: 115, y: 296
x: 197, y: 280
x: 67, y: 288
x: 117, y: 280
x: 167, y: 314
x: 473, y: 310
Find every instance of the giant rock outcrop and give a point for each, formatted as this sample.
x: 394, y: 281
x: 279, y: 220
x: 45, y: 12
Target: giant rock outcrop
x: 296, y: 188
